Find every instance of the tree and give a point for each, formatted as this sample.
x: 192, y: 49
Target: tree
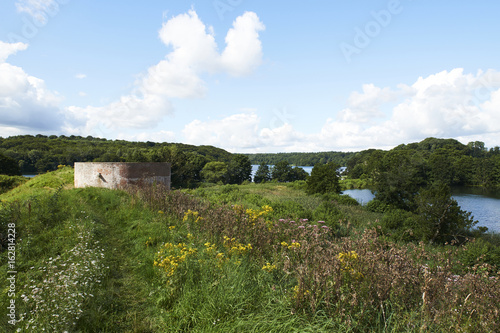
x: 263, y: 174
x: 324, y: 179
x: 239, y: 169
x: 281, y: 172
x: 297, y: 173
x: 399, y: 176
x: 214, y: 172
x: 9, y: 166
x: 440, y: 218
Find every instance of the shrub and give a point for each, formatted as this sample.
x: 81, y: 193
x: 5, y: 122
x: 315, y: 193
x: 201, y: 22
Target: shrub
x: 341, y: 199
x: 328, y: 211
x: 377, y: 206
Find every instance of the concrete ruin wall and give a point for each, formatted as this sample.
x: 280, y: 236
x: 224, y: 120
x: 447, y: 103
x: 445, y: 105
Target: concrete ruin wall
x: 115, y: 175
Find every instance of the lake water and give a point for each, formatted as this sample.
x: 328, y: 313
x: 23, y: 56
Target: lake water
x: 483, y: 204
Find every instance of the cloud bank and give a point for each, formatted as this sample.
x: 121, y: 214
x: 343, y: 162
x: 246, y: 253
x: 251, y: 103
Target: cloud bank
x: 446, y: 104
x: 25, y: 101
x: 194, y: 53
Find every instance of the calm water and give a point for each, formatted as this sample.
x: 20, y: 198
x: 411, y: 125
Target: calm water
x: 484, y: 205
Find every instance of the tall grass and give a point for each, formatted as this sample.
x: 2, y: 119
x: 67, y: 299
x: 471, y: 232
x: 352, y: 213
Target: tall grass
x: 231, y: 259
x: 363, y: 282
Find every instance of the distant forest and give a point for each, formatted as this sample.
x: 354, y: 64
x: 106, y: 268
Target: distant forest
x: 444, y: 160
x: 432, y: 160
x: 40, y: 153
x: 302, y: 159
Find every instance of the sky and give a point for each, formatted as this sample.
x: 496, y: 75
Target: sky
x: 252, y: 76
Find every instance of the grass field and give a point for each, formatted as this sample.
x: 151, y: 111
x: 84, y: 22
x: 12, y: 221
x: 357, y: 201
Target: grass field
x: 248, y: 258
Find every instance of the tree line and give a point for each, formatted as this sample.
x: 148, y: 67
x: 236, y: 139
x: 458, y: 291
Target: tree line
x: 303, y: 159
x: 28, y: 154
x: 445, y: 160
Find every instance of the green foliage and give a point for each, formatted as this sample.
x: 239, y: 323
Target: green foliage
x: 9, y: 182
x: 440, y: 219
x: 302, y: 159
x: 343, y: 200
x: 214, y: 172
x: 443, y: 160
x: 263, y: 174
x: 38, y: 154
x: 9, y: 166
x: 90, y: 266
x: 480, y: 251
x: 239, y: 169
x: 398, y: 177
x: 283, y: 172
x: 400, y: 225
x: 377, y: 206
x: 291, y: 210
x: 324, y: 179
x: 328, y: 211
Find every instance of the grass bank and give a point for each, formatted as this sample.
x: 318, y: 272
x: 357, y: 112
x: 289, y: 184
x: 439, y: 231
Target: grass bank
x: 250, y: 258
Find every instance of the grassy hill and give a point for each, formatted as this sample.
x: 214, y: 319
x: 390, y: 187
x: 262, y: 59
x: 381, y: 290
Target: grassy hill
x: 250, y: 258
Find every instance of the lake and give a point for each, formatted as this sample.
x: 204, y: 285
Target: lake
x: 483, y: 204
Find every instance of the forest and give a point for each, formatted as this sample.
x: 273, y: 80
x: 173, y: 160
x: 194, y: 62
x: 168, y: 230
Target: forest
x: 444, y: 160
x: 302, y: 159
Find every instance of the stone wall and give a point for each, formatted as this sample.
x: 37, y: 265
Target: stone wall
x: 116, y: 175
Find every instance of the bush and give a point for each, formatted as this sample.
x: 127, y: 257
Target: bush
x: 328, y: 211
x: 400, y: 224
x: 290, y: 210
x: 324, y: 179
x: 9, y: 182
x: 344, y: 200
x: 480, y: 251
x: 377, y: 206
x: 9, y: 166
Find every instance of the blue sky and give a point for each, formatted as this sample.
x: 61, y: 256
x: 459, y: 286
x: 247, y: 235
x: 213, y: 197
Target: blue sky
x: 252, y: 76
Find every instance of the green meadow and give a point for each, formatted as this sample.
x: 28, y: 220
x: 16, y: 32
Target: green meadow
x: 228, y: 258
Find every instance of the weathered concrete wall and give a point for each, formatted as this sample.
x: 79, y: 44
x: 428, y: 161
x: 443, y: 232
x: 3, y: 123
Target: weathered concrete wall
x: 118, y: 175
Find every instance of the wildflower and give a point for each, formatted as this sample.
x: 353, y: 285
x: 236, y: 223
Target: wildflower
x: 268, y: 267
x: 301, y: 227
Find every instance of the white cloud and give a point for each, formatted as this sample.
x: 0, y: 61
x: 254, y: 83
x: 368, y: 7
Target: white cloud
x: 7, y: 49
x: 179, y: 74
x: 446, y: 104
x: 25, y: 101
x: 243, y: 52
x: 80, y: 76
x: 160, y: 136
x: 239, y: 131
